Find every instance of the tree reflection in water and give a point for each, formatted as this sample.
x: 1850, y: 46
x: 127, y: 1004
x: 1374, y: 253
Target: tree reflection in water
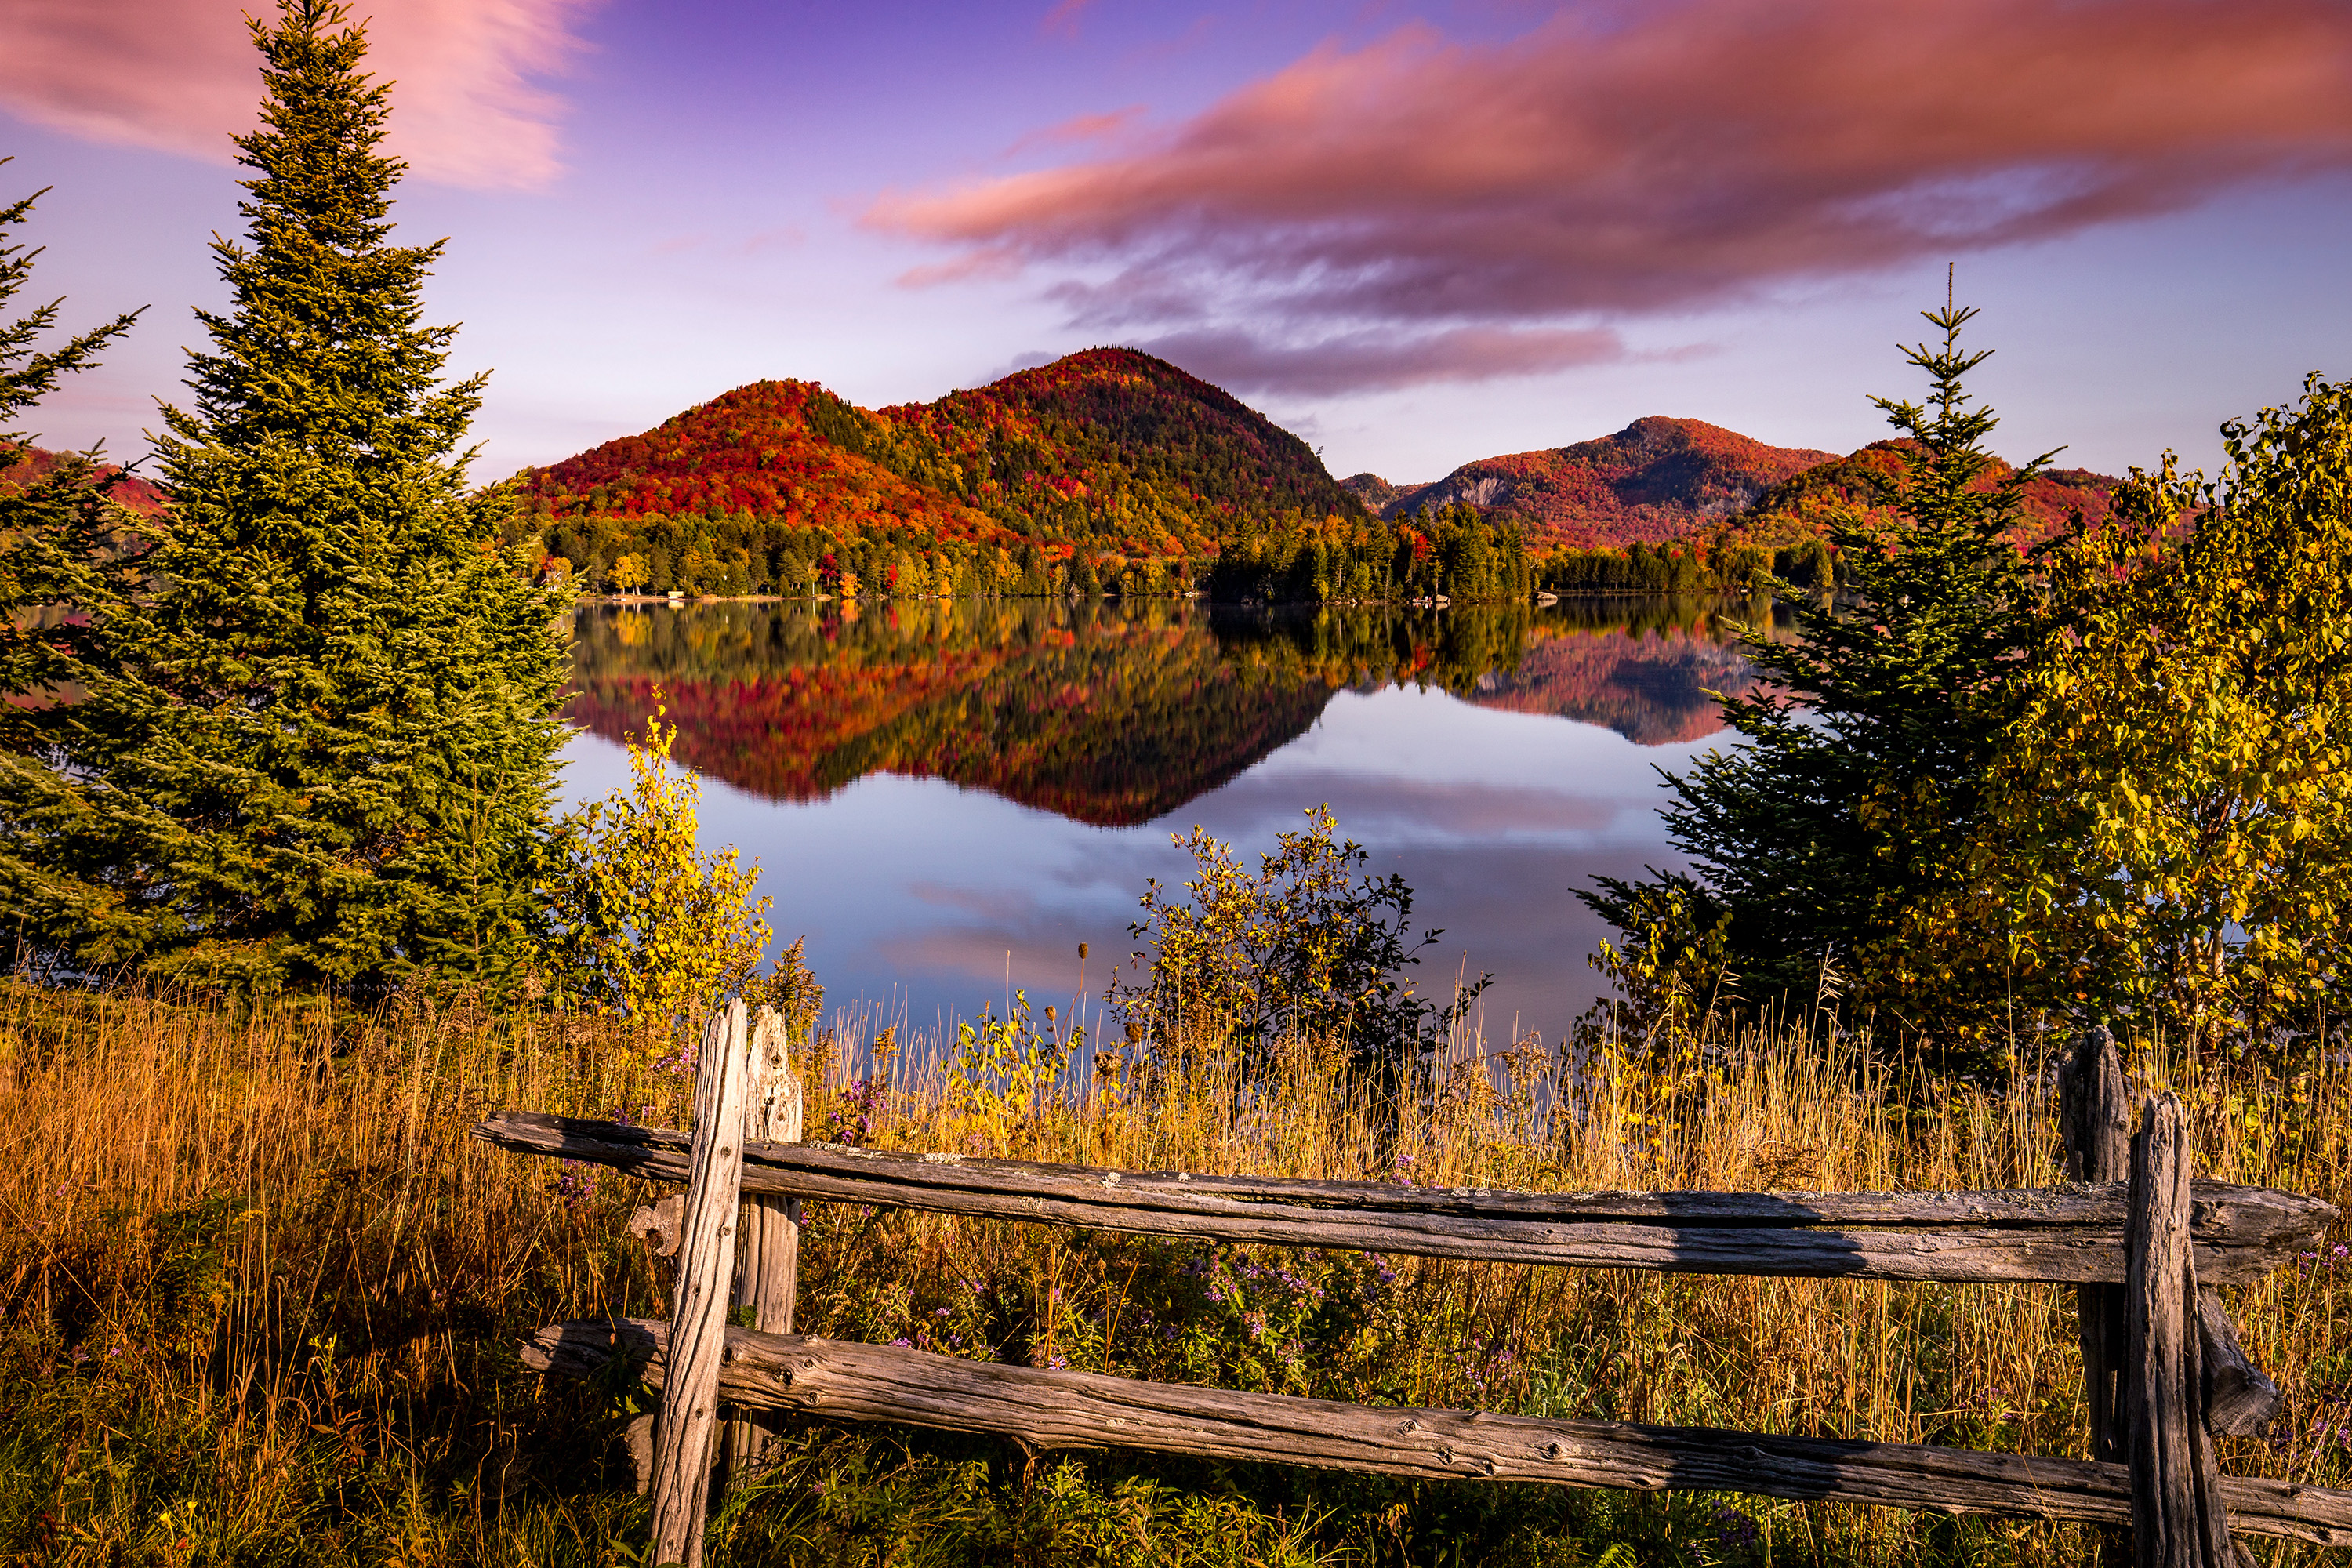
x: 1111, y: 712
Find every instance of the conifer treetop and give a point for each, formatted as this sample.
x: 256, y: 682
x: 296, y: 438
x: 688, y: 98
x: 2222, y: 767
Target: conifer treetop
x: 324, y: 345
x: 316, y: 741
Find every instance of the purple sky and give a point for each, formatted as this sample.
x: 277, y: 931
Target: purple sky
x: 1417, y: 236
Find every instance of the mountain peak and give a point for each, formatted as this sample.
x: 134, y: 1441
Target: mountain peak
x: 1657, y: 479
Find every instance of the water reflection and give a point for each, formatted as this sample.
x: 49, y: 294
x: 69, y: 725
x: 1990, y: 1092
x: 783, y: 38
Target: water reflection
x: 946, y: 798
x: 1104, y: 712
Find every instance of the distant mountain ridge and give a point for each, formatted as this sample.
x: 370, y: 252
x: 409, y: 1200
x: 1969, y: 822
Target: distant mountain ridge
x: 1656, y: 480
x: 1801, y: 505
x: 23, y: 466
x: 1111, y: 470
x: 1110, y: 445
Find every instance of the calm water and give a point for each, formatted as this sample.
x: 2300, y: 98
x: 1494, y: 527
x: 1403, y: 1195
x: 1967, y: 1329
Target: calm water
x: 946, y: 798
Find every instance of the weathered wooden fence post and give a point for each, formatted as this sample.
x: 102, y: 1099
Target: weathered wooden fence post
x: 767, y: 1267
x: 2094, y: 1120
x: 2178, y: 1519
x: 705, y: 1265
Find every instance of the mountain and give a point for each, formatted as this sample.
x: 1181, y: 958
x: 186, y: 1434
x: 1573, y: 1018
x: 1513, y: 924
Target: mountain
x: 1655, y: 480
x: 786, y: 449
x: 1377, y: 494
x: 1798, y: 507
x: 23, y: 466
x: 1112, y: 442
x: 1106, y: 458
x: 1112, y: 472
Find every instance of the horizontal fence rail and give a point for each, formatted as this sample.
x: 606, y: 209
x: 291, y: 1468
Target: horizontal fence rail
x: 2067, y: 1236
x: 841, y: 1381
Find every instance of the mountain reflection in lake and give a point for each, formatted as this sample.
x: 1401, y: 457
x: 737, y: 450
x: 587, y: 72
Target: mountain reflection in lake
x: 943, y: 793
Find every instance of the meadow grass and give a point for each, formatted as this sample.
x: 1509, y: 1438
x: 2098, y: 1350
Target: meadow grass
x: 263, y: 1295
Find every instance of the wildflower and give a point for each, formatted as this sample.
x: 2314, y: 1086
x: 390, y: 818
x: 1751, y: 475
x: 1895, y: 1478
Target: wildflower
x: 1735, y: 1532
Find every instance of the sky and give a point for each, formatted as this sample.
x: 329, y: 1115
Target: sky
x: 1416, y: 235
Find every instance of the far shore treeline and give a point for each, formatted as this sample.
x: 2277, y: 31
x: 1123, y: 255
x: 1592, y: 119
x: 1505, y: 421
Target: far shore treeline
x: 1113, y: 472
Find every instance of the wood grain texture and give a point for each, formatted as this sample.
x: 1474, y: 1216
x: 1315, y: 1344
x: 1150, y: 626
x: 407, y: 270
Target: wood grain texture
x: 2094, y: 1124
x: 705, y: 1271
x: 2240, y: 1397
x: 2178, y: 1520
x: 768, y: 1269
x: 2062, y: 1236
x: 833, y: 1380
x: 767, y: 1259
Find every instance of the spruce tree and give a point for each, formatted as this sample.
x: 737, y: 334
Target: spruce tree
x: 316, y: 746
x: 62, y: 543
x: 1863, y: 768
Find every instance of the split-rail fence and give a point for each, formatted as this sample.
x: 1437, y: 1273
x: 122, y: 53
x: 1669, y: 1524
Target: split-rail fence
x: 2143, y: 1244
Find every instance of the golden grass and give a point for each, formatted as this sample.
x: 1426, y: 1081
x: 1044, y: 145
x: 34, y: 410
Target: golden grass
x: 262, y: 1292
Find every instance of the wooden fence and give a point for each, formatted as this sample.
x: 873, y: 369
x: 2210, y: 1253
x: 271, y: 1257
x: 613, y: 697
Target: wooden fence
x: 2143, y: 1244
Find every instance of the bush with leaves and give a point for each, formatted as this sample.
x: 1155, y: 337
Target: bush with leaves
x: 1308, y: 946
x: 2168, y: 837
x: 648, y: 925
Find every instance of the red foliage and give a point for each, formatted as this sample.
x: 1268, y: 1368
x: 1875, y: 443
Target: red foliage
x: 751, y: 450
x: 1803, y: 503
x: 23, y: 466
x: 1657, y: 480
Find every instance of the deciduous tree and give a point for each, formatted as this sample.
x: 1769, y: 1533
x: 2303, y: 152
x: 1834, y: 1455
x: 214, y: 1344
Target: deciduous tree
x: 2167, y: 838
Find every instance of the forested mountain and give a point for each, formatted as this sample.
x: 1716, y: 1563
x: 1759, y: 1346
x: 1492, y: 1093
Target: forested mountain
x: 1107, y: 468
x: 1799, y: 506
x: 1656, y: 480
x: 1114, y: 472
x: 23, y: 466
x: 1377, y: 494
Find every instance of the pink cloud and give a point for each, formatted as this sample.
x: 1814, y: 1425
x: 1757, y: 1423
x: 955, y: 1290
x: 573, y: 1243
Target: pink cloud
x: 1082, y: 128
x: 1680, y: 155
x: 1376, y: 360
x: 182, y: 75
x: 1064, y: 17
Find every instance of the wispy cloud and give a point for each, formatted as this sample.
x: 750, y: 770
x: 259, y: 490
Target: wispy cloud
x: 1378, y: 360
x: 1675, y: 157
x: 182, y: 75
x: 1064, y: 17
x: 1080, y: 129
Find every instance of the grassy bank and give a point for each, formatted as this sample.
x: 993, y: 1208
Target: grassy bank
x: 262, y: 1296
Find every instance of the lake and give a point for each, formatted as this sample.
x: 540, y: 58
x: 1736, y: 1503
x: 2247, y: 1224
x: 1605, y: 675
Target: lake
x: 947, y: 797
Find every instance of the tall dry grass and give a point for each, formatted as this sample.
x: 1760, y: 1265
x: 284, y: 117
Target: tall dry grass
x: 261, y: 1289
x: 262, y: 1293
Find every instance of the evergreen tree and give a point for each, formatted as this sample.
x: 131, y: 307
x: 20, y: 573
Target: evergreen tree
x: 315, y: 747
x: 62, y: 543
x: 1862, y: 769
